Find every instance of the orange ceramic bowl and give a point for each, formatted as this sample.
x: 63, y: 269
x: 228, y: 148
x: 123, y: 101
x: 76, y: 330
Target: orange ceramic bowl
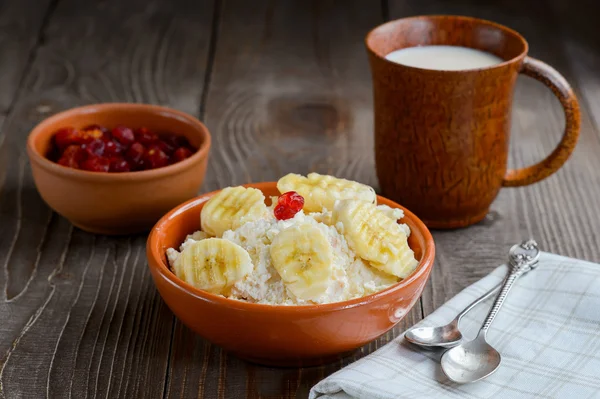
x: 283, y: 335
x: 118, y: 203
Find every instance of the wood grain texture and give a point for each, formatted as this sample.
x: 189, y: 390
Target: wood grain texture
x: 20, y: 24
x: 289, y: 92
x: 81, y: 316
x: 559, y: 212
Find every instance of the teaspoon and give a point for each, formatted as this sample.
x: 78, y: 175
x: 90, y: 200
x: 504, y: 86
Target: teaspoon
x: 444, y: 336
x: 449, y: 335
x: 471, y: 361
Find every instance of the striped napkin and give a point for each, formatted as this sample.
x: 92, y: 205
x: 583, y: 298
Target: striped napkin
x: 548, y: 332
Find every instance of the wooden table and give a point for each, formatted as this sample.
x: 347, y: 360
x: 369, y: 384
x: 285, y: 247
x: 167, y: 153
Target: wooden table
x: 283, y: 86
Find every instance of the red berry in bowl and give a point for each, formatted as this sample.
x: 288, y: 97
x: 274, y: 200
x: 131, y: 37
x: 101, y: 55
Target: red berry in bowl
x: 96, y: 164
x: 155, y: 158
x: 69, y: 162
x: 173, y: 140
x: 97, y: 127
x: 94, y: 147
x: 181, y: 153
x: 135, y: 154
x: 288, y: 205
x: 65, y: 137
x: 123, y: 135
x: 119, y: 165
x: 112, y: 148
x: 167, y: 142
x: 145, y: 136
x: 74, y: 152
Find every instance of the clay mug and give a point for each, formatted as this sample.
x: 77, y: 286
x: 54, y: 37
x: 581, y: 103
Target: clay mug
x: 442, y: 137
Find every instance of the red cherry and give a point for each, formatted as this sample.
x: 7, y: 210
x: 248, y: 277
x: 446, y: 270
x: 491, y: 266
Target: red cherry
x: 134, y: 155
x: 180, y: 154
x: 65, y: 137
x: 112, y: 148
x: 288, y: 205
x: 123, y: 135
x: 145, y: 136
x: 96, y: 164
x: 94, y: 147
x: 155, y: 158
x: 118, y: 165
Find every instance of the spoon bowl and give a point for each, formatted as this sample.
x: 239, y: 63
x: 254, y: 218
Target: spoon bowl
x: 442, y: 336
x: 471, y: 361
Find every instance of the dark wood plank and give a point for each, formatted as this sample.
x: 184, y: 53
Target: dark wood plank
x: 290, y: 91
x: 80, y: 314
x: 559, y: 212
x: 20, y: 30
x: 20, y: 23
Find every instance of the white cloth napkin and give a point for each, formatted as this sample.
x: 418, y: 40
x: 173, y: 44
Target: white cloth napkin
x: 548, y: 332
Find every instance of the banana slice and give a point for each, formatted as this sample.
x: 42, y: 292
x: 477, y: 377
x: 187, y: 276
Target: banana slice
x: 213, y: 265
x: 231, y: 208
x: 375, y: 237
x: 321, y: 191
x: 302, y: 256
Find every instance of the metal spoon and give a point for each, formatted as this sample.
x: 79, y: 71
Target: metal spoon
x: 471, y: 361
x: 449, y: 335
x: 444, y: 336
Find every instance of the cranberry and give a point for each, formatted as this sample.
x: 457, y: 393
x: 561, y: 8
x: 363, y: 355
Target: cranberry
x: 74, y: 152
x: 173, y: 140
x: 112, y: 148
x: 97, y: 127
x: 87, y: 136
x: 145, y: 136
x: 65, y: 137
x: 96, y: 164
x: 94, y: 147
x: 288, y: 205
x: 155, y: 158
x: 69, y: 162
x: 123, y: 135
x: 166, y: 146
x: 134, y: 155
x: 180, y: 154
x: 119, y: 164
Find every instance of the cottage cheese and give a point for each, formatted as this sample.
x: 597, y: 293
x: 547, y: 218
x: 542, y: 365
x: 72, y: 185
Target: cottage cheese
x: 353, y: 277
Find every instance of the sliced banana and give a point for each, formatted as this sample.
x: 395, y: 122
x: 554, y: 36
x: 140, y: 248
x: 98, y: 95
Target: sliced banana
x: 303, y: 256
x: 375, y: 237
x: 321, y: 191
x: 213, y: 265
x: 231, y: 208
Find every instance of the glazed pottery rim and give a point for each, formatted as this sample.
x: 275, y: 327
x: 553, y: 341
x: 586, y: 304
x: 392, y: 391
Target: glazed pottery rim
x: 42, y: 129
x: 153, y: 252
x: 482, y: 21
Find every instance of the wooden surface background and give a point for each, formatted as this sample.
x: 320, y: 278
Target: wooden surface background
x: 283, y: 86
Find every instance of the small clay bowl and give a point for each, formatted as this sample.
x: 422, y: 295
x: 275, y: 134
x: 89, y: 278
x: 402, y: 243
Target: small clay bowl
x: 118, y: 203
x: 283, y: 335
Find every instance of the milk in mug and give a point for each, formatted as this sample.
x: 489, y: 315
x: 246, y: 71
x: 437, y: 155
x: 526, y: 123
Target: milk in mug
x: 446, y: 58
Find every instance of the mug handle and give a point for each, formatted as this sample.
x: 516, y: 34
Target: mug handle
x: 563, y: 91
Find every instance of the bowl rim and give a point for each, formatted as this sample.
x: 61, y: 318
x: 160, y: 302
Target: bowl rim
x: 154, y: 262
x: 42, y: 129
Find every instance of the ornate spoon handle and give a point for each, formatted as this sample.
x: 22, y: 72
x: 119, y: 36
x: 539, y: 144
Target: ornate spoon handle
x: 522, y: 257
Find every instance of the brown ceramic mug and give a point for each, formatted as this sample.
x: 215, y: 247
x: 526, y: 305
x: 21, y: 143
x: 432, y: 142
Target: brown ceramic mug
x: 441, y: 137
